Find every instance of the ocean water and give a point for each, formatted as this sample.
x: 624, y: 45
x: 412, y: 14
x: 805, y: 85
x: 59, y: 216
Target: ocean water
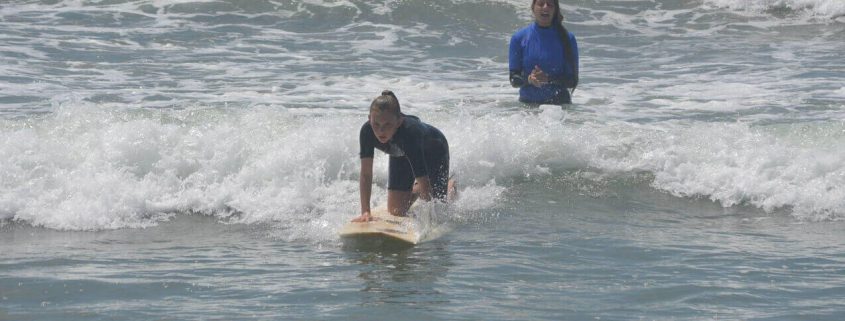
x: 194, y: 160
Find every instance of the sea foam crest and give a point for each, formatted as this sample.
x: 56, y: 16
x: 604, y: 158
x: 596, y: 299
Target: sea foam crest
x: 87, y: 167
x: 794, y: 167
x: 819, y: 8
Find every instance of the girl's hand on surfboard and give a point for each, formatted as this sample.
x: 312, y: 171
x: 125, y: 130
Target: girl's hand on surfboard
x: 366, y: 217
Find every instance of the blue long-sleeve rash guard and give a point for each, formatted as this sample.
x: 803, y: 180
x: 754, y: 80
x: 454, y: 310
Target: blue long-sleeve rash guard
x: 541, y: 46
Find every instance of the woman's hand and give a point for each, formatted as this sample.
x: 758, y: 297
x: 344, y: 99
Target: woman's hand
x: 538, y: 78
x: 366, y: 217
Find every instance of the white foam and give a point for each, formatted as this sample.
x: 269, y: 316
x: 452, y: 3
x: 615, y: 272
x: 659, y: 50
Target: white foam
x: 820, y: 8
x: 730, y: 163
x: 92, y: 170
x: 91, y: 167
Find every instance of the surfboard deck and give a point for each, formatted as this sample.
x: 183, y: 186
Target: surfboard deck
x: 384, y: 230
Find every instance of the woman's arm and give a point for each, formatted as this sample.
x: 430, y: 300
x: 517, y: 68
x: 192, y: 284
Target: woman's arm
x: 365, y: 187
x: 517, y: 78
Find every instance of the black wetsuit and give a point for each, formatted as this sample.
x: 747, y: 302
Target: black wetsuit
x: 416, y: 150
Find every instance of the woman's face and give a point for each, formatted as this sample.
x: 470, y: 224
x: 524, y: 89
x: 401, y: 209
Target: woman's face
x: 544, y: 12
x: 384, y: 125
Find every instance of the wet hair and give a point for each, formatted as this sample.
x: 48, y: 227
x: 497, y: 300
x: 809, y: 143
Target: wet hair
x: 387, y: 102
x: 557, y: 22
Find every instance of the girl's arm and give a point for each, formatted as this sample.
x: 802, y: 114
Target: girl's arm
x: 365, y: 186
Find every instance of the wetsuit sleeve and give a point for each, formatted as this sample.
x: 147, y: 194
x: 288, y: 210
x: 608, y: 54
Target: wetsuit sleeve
x: 577, y: 70
x: 570, y: 80
x: 517, y: 79
x: 575, y: 50
x: 367, y: 141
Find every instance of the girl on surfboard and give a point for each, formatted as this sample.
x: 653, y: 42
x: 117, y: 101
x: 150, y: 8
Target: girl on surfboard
x: 419, y: 158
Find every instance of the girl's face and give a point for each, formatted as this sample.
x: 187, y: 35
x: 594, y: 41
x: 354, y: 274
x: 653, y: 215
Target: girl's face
x: 544, y: 12
x: 384, y: 125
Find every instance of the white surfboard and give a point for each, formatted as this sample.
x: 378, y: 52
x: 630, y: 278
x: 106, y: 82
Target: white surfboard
x: 384, y: 229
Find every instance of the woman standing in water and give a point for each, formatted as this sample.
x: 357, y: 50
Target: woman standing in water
x: 419, y: 158
x: 543, y: 57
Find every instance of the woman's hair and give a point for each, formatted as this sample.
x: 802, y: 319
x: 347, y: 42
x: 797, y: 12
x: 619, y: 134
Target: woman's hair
x: 557, y: 21
x: 387, y: 102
